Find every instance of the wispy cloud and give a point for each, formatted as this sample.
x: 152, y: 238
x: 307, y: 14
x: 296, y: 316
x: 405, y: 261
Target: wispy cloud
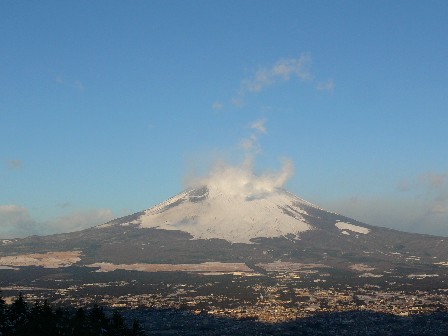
x: 432, y: 188
x: 428, y: 182
x: 14, y: 164
x: 433, y: 180
x: 409, y: 215
x: 421, y: 207
x: 259, y: 125
x: 59, y: 79
x: 403, y: 185
x: 79, y: 85
x: 16, y: 221
x: 75, y: 84
x: 217, y: 105
x: 328, y: 85
x: 77, y: 220
x: 281, y: 71
x: 250, y: 143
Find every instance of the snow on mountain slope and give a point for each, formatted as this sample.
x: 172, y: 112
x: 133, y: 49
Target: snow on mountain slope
x: 209, y: 212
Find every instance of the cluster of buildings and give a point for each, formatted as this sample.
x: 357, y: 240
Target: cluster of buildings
x: 277, y: 302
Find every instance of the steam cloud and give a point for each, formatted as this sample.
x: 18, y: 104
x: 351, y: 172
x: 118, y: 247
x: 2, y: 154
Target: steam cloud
x: 241, y: 180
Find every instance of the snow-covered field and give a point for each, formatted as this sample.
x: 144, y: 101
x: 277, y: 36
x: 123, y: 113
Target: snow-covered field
x: 362, y: 268
x: 285, y: 266
x: 203, y: 267
x: 46, y: 260
x: 422, y: 276
x: 351, y: 227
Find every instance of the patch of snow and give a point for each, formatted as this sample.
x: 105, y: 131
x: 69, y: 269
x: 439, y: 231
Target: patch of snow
x: 46, y: 260
x: 203, y: 267
x: 241, y: 274
x: 9, y: 268
x: 422, y: 276
x: 361, y: 268
x: 345, y: 233
x: 351, y: 227
x: 286, y: 266
x: 103, y: 226
x: 442, y: 263
x: 370, y: 275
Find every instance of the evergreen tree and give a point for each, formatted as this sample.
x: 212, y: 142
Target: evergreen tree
x: 79, y: 323
x: 98, y: 321
x: 18, y: 309
x: 41, y: 320
x: 3, y: 316
x: 19, y: 315
x: 117, y: 325
x: 136, y: 329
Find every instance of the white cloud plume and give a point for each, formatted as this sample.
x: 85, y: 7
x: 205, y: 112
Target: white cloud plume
x: 241, y: 180
x: 250, y: 144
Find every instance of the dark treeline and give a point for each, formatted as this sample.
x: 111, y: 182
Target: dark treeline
x: 39, y: 319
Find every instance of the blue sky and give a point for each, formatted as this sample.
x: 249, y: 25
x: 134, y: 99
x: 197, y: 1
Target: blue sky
x: 107, y: 106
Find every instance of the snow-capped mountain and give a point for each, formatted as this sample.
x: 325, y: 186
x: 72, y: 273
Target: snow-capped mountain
x: 207, y: 213
x: 251, y: 225
x: 210, y: 213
